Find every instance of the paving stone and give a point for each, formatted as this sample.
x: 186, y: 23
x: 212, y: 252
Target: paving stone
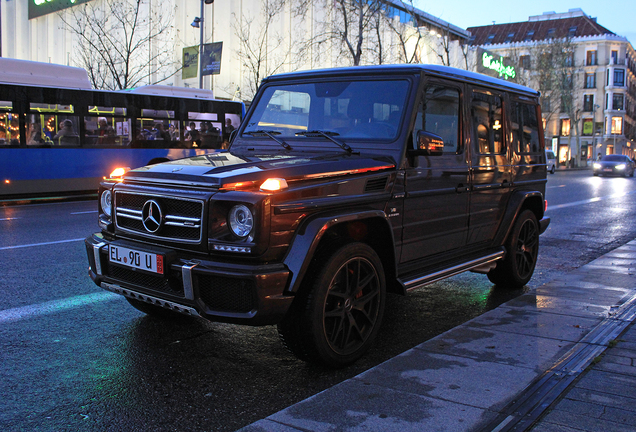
x: 602, y: 398
x: 583, y: 408
x: 356, y: 406
x: 616, y: 368
x: 551, y: 427
x: 585, y: 423
x: 611, y: 383
x: 532, y: 323
x: 561, y: 305
x: 595, y: 293
x: 498, y: 347
x: 480, y: 384
x: 618, y: 359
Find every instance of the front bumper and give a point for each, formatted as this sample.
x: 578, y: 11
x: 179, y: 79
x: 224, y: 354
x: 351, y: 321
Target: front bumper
x: 224, y: 292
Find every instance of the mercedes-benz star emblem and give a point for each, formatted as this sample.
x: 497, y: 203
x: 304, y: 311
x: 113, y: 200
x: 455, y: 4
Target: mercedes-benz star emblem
x: 151, y: 216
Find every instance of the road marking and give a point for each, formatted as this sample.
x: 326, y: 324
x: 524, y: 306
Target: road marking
x: 39, y: 244
x: 54, y: 306
x: 588, y: 201
x: 84, y: 212
x: 8, y: 219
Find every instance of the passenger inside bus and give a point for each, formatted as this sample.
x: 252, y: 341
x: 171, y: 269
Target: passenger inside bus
x: 34, y: 136
x: 66, y: 135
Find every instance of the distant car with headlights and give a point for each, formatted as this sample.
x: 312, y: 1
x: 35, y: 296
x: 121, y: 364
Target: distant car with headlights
x: 340, y: 186
x: 614, y: 165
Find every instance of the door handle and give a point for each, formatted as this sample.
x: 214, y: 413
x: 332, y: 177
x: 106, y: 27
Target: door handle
x: 461, y: 188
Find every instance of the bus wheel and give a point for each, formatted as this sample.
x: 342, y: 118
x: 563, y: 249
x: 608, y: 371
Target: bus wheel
x: 338, y: 314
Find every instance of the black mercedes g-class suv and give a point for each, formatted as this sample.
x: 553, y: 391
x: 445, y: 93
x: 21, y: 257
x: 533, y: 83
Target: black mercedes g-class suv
x: 339, y: 186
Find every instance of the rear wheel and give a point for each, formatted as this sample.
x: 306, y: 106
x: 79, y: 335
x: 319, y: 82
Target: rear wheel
x: 337, y: 314
x: 522, y: 249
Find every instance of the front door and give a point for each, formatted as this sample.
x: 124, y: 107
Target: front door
x: 436, y: 201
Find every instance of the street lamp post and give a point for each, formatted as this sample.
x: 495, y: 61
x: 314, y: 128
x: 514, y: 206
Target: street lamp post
x: 198, y: 23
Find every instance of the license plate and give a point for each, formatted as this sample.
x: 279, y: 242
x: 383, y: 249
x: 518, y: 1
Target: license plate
x: 607, y: 169
x: 136, y: 259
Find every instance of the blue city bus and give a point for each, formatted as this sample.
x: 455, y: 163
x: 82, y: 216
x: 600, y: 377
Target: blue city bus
x: 59, y: 137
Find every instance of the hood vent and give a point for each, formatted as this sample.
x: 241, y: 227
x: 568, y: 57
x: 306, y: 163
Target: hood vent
x: 376, y: 184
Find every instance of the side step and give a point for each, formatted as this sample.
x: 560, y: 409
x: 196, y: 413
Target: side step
x: 480, y: 265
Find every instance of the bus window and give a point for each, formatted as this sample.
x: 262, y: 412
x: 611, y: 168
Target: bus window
x: 9, y: 125
x: 54, y: 124
x: 105, y: 131
x: 156, y: 129
x: 208, y: 132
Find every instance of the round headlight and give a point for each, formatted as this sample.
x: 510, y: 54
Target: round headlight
x: 106, y: 201
x: 241, y: 220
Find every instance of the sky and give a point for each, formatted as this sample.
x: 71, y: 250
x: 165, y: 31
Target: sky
x: 618, y: 16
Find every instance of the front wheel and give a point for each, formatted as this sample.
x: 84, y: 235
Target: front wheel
x: 337, y: 313
x: 522, y: 249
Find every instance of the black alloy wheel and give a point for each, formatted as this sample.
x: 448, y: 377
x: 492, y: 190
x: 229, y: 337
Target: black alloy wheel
x: 338, y: 317
x: 522, y: 249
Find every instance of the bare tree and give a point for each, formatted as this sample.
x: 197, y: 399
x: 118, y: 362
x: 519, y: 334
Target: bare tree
x: 122, y: 43
x: 410, y: 36
x: 558, y: 81
x: 261, y: 47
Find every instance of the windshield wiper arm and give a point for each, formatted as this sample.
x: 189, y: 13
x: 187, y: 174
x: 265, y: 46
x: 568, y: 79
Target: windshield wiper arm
x: 271, y: 133
x: 329, y: 136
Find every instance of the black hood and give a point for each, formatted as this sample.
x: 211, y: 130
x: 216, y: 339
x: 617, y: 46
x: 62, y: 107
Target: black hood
x: 224, y: 168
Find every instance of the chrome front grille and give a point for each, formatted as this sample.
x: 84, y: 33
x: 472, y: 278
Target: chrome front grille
x: 180, y: 217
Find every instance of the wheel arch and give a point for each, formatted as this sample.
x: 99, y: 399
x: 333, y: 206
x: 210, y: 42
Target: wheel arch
x: 324, y: 234
x: 520, y: 201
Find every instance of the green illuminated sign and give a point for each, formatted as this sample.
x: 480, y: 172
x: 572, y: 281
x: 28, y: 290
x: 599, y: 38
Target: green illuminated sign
x: 488, y: 61
x: 38, y: 8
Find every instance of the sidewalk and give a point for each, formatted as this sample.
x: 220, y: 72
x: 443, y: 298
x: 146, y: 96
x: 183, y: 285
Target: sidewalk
x: 519, y: 367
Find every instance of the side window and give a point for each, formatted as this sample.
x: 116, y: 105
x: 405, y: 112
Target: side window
x: 203, y: 130
x: 439, y: 114
x: 525, y: 128
x: 488, y: 124
x: 106, y: 127
x: 52, y: 124
x: 9, y: 125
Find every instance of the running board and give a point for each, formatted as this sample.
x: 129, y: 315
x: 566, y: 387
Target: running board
x: 480, y: 265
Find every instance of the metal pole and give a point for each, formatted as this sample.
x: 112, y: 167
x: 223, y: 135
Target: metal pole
x: 201, y: 48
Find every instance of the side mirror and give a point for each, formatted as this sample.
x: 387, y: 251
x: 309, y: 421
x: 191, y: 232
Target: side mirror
x: 428, y: 144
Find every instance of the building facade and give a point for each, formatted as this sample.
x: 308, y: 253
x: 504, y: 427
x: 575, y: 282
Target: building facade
x: 587, y: 76
x: 253, y: 38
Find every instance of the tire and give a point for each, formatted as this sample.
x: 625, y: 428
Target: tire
x: 522, y: 249
x: 337, y: 313
x: 553, y: 169
x: 155, y: 311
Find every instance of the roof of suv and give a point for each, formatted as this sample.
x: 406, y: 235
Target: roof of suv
x: 438, y: 70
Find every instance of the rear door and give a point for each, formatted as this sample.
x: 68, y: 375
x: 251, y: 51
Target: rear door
x: 489, y: 165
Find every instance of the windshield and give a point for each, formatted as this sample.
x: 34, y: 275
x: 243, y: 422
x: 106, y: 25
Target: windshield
x: 614, y: 158
x: 341, y: 109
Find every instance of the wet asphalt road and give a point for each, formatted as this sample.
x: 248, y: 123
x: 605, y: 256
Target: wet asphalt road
x: 74, y: 357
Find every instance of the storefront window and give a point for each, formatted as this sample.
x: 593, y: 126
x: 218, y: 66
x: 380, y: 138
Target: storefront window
x: 617, y: 125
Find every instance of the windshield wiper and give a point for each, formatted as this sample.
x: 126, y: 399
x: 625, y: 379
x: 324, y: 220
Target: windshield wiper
x: 270, y: 133
x: 329, y: 135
